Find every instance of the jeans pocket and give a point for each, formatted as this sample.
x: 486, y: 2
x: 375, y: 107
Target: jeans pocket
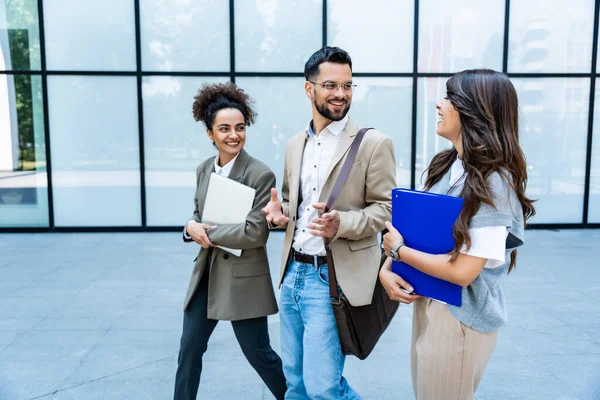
x: 323, y: 274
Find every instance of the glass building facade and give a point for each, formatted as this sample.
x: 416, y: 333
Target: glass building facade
x: 96, y: 131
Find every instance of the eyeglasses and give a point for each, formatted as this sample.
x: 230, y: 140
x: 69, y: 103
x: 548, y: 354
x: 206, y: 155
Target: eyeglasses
x: 333, y: 86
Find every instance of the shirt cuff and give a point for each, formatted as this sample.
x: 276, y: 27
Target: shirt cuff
x: 185, y: 234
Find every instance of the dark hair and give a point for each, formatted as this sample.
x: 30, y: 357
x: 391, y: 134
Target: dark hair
x: 325, y: 54
x: 487, y: 104
x: 216, y: 96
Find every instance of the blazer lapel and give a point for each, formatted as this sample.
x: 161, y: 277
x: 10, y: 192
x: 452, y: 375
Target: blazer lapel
x: 346, y: 139
x: 295, y: 168
x: 203, y: 185
x: 239, y: 166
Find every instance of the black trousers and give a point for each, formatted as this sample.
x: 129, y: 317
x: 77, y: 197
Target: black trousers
x: 252, y: 335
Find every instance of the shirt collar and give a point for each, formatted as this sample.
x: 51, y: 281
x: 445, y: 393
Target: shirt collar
x: 457, y: 171
x: 336, y: 127
x: 225, y: 170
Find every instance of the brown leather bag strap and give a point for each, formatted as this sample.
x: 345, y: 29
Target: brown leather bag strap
x: 335, y: 193
x: 341, y: 179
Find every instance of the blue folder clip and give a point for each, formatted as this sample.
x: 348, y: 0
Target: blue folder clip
x: 426, y: 221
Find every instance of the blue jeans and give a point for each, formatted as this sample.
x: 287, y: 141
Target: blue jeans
x: 313, y: 362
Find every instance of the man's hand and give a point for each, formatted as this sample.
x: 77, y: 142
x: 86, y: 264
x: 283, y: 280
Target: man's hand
x: 273, y: 210
x: 393, y: 284
x: 326, y: 226
x: 197, y: 232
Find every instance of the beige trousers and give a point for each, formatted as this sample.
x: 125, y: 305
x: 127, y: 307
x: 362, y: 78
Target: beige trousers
x: 447, y: 358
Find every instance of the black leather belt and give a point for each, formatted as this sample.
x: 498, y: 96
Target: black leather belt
x: 307, y: 258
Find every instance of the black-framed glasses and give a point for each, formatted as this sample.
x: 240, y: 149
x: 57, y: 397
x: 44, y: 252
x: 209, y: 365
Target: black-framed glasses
x: 331, y: 86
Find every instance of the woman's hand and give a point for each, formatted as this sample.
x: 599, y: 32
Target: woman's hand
x: 391, y: 238
x: 393, y: 283
x: 197, y: 231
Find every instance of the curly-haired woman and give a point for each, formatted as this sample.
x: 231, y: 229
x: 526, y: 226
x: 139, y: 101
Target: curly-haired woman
x: 223, y: 286
x: 451, y: 346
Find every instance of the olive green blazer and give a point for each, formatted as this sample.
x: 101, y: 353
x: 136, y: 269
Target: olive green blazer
x: 238, y: 287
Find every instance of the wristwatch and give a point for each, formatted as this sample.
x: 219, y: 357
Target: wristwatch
x: 395, y: 251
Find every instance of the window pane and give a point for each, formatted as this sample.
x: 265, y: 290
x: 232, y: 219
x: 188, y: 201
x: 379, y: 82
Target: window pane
x: 184, y: 35
x: 95, y: 150
x: 276, y: 36
x: 23, y: 181
x: 378, y: 34
x: 385, y: 104
x: 429, y: 92
x: 19, y: 35
x: 594, y: 205
x: 266, y: 140
x: 84, y: 35
x: 553, y: 131
x: 469, y: 34
x: 551, y: 38
x: 174, y: 145
x: 553, y: 120
x: 382, y: 103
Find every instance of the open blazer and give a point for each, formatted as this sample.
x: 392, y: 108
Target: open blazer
x: 238, y: 287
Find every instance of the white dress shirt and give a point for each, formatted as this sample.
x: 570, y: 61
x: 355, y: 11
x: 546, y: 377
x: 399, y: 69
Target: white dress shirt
x: 318, y: 154
x: 225, y: 170
x: 488, y: 242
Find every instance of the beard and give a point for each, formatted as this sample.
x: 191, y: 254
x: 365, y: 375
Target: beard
x: 330, y: 114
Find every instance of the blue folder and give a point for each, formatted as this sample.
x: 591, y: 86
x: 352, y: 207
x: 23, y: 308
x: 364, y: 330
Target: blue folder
x: 426, y: 220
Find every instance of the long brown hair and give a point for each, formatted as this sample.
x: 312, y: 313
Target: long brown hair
x: 487, y: 105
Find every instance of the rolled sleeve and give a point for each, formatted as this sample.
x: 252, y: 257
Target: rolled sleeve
x: 489, y: 243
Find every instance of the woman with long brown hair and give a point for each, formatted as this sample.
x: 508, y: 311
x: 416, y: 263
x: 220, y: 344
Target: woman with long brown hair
x: 451, y: 346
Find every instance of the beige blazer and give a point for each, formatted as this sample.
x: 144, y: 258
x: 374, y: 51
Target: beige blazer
x: 238, y: 287
x: 364, y: 205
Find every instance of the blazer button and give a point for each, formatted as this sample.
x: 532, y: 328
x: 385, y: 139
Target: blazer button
x: 226, y: 256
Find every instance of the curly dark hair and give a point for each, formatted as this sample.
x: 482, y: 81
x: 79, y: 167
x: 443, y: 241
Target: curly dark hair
x: 213, y: 97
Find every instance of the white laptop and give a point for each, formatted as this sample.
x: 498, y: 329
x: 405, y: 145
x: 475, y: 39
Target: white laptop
x: 227, y: 202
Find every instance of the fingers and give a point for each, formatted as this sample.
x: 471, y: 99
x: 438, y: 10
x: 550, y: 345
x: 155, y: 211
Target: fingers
x: 397, y: 294
x: 274, y: 197
x: 321, y: 228
x: 393, y: 285
x: 268, y: 209
x: 402, y: 297
x: 326, y: 219
x: 198, y: 233
x: 403, y: 283
x: 391, y: 238
x: 330, y: 216
x: 273, y: 210
x: 317, y: 224
x: 392, y: 230
x: 319, y: 206
x: 281, y: 220
x: 204, y: 241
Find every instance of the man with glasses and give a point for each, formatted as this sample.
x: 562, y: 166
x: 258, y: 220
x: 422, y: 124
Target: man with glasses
x: 313, y: 362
